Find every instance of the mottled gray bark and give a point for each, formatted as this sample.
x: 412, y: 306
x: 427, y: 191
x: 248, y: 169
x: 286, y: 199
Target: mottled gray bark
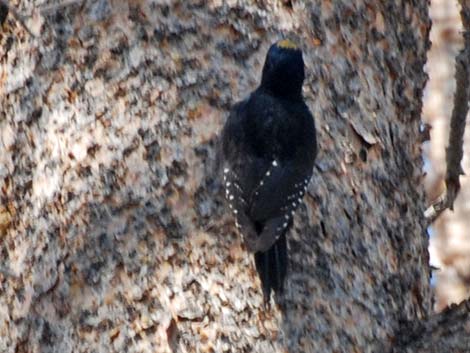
x: 113, y: 232
x: 449, y: 331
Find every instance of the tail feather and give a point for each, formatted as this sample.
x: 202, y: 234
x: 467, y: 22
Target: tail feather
x: 272, y: 267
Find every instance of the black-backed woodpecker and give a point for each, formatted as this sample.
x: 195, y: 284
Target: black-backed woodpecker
x: 268, y: 150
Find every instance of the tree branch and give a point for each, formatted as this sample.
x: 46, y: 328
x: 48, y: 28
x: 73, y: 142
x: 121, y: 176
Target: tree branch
x: 448, y: 331
x: 454, y: 152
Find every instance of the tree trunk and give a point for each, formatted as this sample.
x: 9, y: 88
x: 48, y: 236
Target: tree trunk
x: 114, y: 236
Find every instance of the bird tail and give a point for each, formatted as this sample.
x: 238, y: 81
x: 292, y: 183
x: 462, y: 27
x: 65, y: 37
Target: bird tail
x: 272, y: 267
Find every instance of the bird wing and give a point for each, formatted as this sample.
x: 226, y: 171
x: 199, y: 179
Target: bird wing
x: 261, y: 190
x: 237, y: 170
x: 285, y: 177
x: 280, y: 191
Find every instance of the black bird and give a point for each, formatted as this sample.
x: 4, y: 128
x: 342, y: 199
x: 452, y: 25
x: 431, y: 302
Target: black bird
x: 268, y: 150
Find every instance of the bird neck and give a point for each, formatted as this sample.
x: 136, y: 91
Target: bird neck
x: 282, y: 90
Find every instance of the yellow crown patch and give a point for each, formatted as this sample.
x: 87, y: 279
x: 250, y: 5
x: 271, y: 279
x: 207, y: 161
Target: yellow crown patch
x: 287, y: 44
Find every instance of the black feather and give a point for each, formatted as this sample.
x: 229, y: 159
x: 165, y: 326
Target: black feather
x: 272, y: 266
x: 268, y: 150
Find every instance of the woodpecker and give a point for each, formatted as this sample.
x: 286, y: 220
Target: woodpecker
x: 268, y: 148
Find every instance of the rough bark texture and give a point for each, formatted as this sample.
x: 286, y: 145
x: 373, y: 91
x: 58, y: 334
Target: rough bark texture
x: 113, y: 234
x: 447, y: 332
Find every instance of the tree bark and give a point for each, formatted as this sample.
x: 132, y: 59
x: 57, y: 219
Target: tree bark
x: 448, y: 331
x: 113, y: 232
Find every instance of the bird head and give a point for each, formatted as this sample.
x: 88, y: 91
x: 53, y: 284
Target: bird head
x: 283, y: 71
